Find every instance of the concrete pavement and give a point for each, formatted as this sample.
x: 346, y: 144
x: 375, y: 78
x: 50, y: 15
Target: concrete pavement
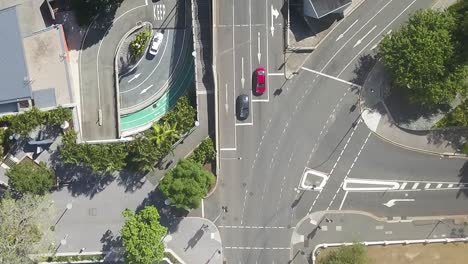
x: 328, y: 227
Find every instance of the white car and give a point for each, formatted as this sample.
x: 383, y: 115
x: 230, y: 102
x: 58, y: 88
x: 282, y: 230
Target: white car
x: 157, y: 40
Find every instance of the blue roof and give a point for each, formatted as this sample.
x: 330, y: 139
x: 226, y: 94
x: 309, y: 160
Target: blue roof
x: 13, y: 69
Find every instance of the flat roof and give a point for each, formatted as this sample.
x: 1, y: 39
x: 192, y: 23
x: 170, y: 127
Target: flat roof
x: 13, y: 70
x: 325, y: 7
x: 47, y: 60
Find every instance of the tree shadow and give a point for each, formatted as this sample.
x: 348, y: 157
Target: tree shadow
x: 170, y: 216
x: 463, y: 174
x: 363, y: 68
x: 449, y: 137
x: 131, y: 180
x: 110, y: 241
x: 79, y: 180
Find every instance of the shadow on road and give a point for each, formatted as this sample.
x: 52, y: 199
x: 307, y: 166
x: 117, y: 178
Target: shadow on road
x: 170, y: 216
x: 463, y: 174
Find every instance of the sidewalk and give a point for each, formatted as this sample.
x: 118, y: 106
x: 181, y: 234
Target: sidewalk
x: 195, y: 240
x: 315, y: 231
x: 377, y: 117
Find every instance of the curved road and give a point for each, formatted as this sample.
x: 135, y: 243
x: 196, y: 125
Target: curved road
x: 314, y: 123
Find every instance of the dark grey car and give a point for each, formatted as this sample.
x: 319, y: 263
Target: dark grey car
x: 242, y: 106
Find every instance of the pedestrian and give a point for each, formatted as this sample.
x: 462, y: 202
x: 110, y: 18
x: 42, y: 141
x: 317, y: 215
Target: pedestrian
x: 278, y: 91
x: 82, y: 250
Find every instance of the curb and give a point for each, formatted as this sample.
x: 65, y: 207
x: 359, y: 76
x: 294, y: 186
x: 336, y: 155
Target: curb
x: 363, y: 106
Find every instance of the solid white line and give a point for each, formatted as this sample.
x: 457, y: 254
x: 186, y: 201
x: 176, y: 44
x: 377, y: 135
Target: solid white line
x: 244, y: 124
x: 344, y: 45
x: 342, y: 201
x: 365, y: 36
x: 227, y: 149
x: 146, y: 2
x: 260, y: 100
x: 243, y: 207
x: 365, y: 47
x: 250, y: 34
x: 202, y: 209
x: 331, y: 77
x: 342, y: 34
x: 276, y: 73
x: 267, y: 54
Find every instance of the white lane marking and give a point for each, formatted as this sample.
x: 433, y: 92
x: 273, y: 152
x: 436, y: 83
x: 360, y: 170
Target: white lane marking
x: 388, y: 232
x: 342, y: 34
x: 427, y: 186
x: 226, y: 105
x: 146, y: 2
x: 392, y: 202
x: 242, y: 76
x: 385, y: 28
x: 331, y: 77
x: 250, y: 35
x: 146, y: 89
x: 403, y: 186
x: 361, y: 39
x: 274, y: 14
x: 276, y: 73
x: 439, y: 185
x: 259, y: 248
x: 227, y: 149
x: 379, y: 227
x: 243, y: 207
x: 134, y: 77
x: 202, y: 208
x: 344, y: 45
x: 450, y: 186
x: 415, y: 185
x: 342, y: 201
x: 338, y: 228
x: 244, y: 124
x: 259, y: 54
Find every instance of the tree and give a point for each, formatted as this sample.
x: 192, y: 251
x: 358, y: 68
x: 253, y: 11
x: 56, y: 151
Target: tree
x: 421, y: 58
x: 186, y: 184
x: 25, y: 122
x: 29, y: 177
x: 142, y: 236
x: 59, y: 115
x: 183, y: 115
x: 101, y: 158
x: 139, y: 44
x: 164, y: 133
x: 354, y: 254
x: 24, y: 228
x: 143, y: 153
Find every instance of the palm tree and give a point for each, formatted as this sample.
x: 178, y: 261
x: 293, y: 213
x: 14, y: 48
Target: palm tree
x: 165, y: 133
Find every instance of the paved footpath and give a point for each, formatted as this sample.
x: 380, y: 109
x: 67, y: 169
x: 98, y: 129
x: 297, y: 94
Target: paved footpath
x: 329, y: 228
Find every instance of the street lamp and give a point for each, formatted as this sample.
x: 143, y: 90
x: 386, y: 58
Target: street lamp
x: 67, y: 207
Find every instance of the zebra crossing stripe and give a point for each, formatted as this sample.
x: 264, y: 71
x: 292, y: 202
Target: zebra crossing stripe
x: 450, y: 186
x: 403, y: 186
x: 427, y: 186
x: 415, y: 186
x: 439, y: 185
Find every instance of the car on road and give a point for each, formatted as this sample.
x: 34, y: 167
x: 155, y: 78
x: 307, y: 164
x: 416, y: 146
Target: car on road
x: 155, y: 43
x: 242, y: 106
x: 260, y: 85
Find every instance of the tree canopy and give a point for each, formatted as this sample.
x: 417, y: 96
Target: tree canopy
x: 205, y: 152
x: 29, y: 177
x: 421, y: 59
x: 354, y: 254
x: 186, y: 184
x: 142, y: 236
x: 24, y: 228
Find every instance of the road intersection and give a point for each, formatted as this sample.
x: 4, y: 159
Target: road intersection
x: 315, y: 123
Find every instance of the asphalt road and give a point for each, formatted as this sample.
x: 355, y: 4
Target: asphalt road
x: 313, y: 123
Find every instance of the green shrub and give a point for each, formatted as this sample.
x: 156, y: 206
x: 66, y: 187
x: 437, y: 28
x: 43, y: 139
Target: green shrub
x: 29, y: 177
x: 183, y: 115
x: 204, y: 153
x: 59, y: 115
x: 139, y: 44
x: 24, y: 123
x: 354, y: 254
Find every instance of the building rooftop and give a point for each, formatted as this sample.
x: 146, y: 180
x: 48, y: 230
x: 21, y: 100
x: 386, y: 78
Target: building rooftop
x: 13, y: 70
x: 325, y: 7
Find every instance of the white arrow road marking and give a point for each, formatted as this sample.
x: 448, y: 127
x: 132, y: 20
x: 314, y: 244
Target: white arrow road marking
x: 242, y: 79
x: 275, y: 14
x: 146, y: 89
x: 361, y: 39
x: 259, y: 55
x: 342, y: 34
x: 392, y: 202
x: 134, y: 77
x: 226, y: 105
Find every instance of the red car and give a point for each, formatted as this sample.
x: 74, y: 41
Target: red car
x: 260, y: 75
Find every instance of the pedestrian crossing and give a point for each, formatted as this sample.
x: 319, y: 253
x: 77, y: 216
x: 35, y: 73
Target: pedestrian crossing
x: 362, y: 185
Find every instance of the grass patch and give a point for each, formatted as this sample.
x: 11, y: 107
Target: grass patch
x: 96, y: 257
